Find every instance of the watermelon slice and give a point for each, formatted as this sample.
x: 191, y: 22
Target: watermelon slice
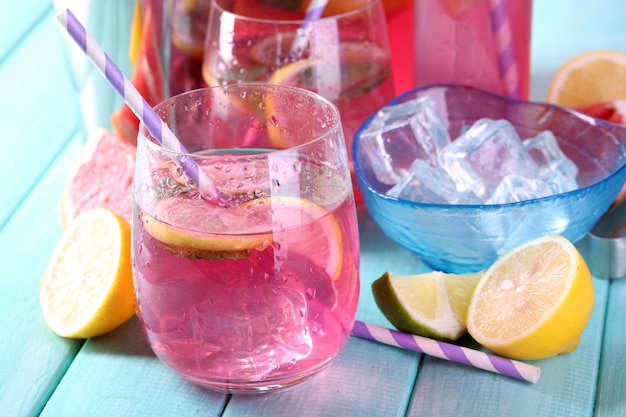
x: 102, y: 175
x: 148, y: 77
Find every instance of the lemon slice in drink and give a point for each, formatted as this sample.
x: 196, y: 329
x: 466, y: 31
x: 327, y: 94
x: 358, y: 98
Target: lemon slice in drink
x: 534, y: 302
x: 314, y: 232
x: 432, y: 304
x: 196, y: 228
x: 358, y: 68
x: 87, y: 288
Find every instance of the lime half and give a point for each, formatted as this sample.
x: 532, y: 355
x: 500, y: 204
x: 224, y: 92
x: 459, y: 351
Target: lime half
x: 432, y: 304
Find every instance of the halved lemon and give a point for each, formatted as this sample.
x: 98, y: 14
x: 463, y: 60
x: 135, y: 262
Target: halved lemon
x: 432, y: 304
x: 534, y: 302
x: 87, y: 288
x: 588, y: 78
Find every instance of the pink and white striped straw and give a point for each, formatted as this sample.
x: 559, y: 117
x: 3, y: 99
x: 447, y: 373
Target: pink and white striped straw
x: 313, y: 12
x: 501, y: 30
x: 448, y: 351
x: 140, y: 107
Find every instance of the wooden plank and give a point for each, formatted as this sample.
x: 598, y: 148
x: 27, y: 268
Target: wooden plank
x: 33, y: 359
x: 566, y: 388
x: 366, y: 379
x: 118, y: 375
x: 39, y: 116
x: 611, y: 392
x: 16, y: 19
x: 380, y: 254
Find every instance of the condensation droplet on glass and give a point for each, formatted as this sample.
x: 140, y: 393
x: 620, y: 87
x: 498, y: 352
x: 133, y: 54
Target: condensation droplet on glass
x: 310, y: 293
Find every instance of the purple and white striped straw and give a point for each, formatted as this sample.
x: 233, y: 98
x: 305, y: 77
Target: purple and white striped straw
x: 448, y: 351
x: 501, y: 30
x: 313, y: 12
x: 140, y: 107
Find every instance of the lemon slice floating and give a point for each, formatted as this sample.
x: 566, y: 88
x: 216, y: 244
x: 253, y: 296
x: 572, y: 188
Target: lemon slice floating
x: 534, y: 302
x: 198, y: 229
x: 432, y: 304
x: 195, y: 228
x: 87, y: 288
x: 318, y: 232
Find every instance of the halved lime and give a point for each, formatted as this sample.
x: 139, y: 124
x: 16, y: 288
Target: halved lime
x: 431, y: 304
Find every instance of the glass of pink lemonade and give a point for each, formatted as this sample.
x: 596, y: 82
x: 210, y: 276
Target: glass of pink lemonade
x: 343, y: 55
x: 256, y: 289
x: 481, y: 43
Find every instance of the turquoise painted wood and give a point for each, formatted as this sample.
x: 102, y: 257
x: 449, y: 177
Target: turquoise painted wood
x: 611, y: 392
x: 117, y: 374
x: 564, y: 28
x: 37, y: 118
x: 17, y: 18
x: 32, y: 359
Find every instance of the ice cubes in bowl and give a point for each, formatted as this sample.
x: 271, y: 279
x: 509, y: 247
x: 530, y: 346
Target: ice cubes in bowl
x: 468, y: 234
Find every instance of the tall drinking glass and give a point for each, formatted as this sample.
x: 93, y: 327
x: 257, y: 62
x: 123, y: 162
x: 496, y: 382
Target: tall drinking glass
x: 259, y: 289
x: 343, y: 56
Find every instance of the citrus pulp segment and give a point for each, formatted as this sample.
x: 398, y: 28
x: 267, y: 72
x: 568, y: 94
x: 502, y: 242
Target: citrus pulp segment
x: 319, y: 234
x: 534, y: 301
x: 431, y: 304
x: 196, y: 224
x: 588, y: 78
x: 101, y: 176
x: 87, y: 288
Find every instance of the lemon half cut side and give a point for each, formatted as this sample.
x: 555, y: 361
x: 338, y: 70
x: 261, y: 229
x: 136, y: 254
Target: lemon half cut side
x: 534, y: 302
x: 87, y: 288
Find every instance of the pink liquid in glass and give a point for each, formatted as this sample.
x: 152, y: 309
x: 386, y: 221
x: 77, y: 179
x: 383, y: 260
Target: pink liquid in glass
x: 455, y: 43
x: 269, y: 310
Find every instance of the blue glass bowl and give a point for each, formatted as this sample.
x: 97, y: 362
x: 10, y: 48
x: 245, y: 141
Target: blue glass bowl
x: 468, y: 238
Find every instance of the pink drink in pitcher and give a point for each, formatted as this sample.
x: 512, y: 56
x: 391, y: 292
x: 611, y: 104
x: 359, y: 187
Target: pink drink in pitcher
x: 481, y: 43
x: 259, y: 291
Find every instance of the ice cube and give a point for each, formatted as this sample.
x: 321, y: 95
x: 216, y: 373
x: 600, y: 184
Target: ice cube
x: 555, y: 168
x: 249, y: 336
x: 514, y: 188
x: 484, y: 155
x: 427, y: 184
x: 401, y: 133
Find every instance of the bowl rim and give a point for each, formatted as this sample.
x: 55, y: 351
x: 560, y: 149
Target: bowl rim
x: 475, y: 90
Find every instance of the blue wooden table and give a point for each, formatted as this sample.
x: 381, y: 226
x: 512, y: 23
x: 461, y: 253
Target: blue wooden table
x: 117, y: 374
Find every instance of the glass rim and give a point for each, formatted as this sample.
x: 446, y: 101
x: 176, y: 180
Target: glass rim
x: 146, y: 137
x: 216, y: 5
